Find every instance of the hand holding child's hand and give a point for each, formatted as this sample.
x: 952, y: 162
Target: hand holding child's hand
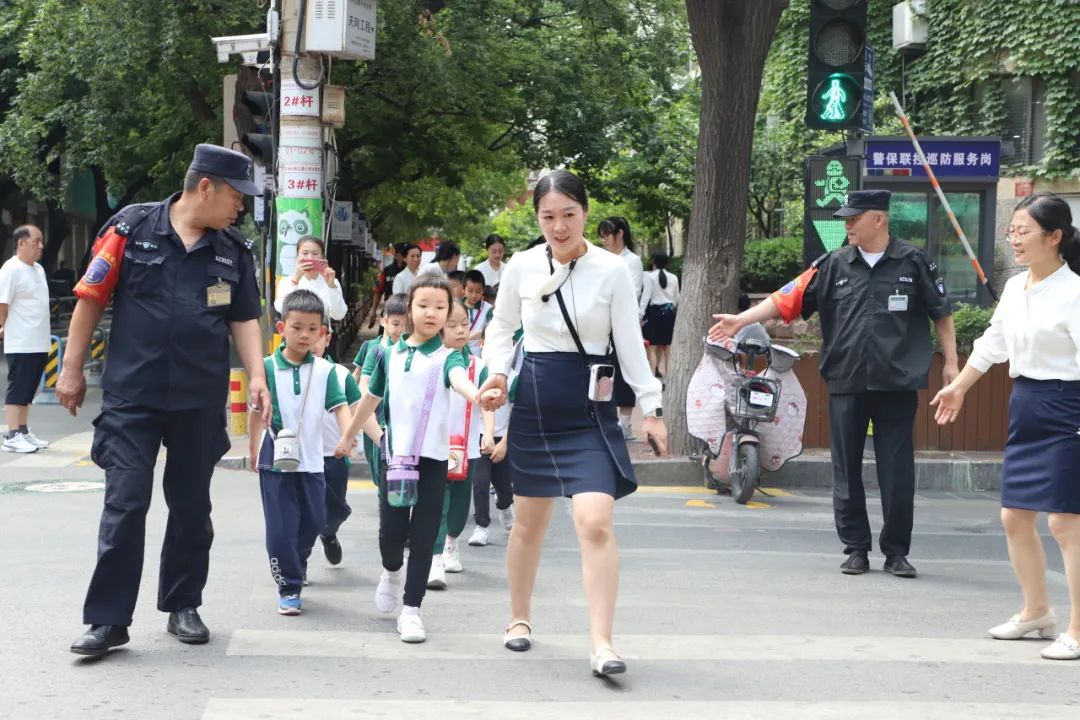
x: 499, y: 453
x: 487, y: 445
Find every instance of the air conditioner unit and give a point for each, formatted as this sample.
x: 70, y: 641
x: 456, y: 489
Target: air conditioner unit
x: 910, y: 25
x: 344, y: 29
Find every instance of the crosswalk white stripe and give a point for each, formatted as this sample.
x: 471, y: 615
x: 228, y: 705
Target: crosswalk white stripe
x: 354, y: 709
x: 728, y: 648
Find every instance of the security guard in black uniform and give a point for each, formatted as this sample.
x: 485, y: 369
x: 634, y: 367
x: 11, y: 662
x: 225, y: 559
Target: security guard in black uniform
x: 182, y: 281
x: 874, y: 296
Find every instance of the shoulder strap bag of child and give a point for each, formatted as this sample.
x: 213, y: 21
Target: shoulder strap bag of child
x: 459, y: 444
x: 287, y: 442
x: 403, y: 471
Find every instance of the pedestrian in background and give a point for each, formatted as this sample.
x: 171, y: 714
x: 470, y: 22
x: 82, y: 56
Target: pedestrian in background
x: 447, y: 257
x: 876, y: 297
x: 1036, y: 328
x: 404, y: 279
x: 616, y: 237
x: 24, y: 328
x: 313, y: 273
x: 659, y: 301
x: 571, y: 298
x: 492, y: 267
x: 384, y: 283
x: 182, y: 281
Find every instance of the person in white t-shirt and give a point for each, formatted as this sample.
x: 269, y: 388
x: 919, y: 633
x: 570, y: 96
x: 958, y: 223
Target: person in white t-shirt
x: 24, y: 327
x: 404, y: 279
x: 492, y: 268
x: 313, y: 273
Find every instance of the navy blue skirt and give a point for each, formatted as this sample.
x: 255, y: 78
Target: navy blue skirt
x: 1042, y: 454
x: 560, y: 443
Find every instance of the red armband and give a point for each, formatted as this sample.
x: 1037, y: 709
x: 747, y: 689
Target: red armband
x: 103, y: 272
x: 789, y: 299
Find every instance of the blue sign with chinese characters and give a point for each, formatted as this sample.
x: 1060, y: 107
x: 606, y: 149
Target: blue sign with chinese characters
x: 949, y: 157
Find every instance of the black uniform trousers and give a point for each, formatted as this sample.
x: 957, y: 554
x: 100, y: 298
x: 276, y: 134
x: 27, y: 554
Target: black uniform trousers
x: 893, y: 414
x: 127, y: 438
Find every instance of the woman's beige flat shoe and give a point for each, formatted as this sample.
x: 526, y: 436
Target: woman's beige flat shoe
x: 518, y: 643
x: 606, y: 662
x: 1064, y: 648
x: 1014, y: 629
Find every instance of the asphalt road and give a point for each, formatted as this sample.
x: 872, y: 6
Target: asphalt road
x: 724, y: 611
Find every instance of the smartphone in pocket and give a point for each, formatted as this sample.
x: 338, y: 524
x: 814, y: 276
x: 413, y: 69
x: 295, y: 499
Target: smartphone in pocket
x: 601, y: 383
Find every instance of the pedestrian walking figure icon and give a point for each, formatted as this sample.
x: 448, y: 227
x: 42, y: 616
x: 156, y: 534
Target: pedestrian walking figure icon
x: 834, y: 98
x: 834, y: 185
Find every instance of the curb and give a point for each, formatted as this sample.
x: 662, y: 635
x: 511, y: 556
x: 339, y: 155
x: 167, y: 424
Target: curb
x: 949, y: 472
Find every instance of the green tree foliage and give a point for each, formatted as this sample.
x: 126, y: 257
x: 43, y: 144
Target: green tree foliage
x: 769, y: 263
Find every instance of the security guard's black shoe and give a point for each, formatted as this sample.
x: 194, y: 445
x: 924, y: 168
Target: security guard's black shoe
x: 856, y: 564
x: 899, y: 566
x: 331, y: 548
x: 96, y: 641
x: 188, y: 627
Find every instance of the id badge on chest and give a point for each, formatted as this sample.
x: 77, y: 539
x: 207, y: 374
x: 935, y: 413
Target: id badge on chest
x: 218, y: 294
x: 898, y: 303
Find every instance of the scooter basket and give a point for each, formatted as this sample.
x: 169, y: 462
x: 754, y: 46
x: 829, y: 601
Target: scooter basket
x: 757, y: 398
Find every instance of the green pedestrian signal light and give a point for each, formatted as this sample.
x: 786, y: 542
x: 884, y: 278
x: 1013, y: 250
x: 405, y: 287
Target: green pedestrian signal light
x: 837, y: 99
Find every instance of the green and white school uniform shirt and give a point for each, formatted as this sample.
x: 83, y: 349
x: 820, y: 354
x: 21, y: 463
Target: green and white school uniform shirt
x: 459, y: 404
x: 401, y: 381
x: 331, y: 430
x: 373, y: 356
x: 287, y: 382
x: 479, y: 317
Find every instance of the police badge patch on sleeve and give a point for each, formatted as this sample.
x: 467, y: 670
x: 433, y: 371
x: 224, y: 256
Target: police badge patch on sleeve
x: 940, y: 287
x: 97, y: 271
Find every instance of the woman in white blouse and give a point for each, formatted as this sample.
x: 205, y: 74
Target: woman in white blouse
x: 659, y: 300
x: 561, y: 443
x: 492, y: 268
x: 404, y: 279
x: 1036, y: 328
x: 315, y: 274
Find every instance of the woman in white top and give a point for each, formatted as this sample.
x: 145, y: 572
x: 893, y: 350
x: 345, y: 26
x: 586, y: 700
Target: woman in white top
x: 404, y: 279
x: 1036, y: 328
x: 492, y: 268
x: 659, y: 299
x: 616, y: 237
x: 315, y: 274
x: 570, y: 297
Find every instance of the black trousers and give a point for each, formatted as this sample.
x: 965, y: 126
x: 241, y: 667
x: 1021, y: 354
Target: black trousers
x: 127, y: 438
x: 336, y: 472
x: 417, y: 527
x: 488, y: 474
x: 893, y: 414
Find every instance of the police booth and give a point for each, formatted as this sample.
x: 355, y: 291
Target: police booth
x: 967, y: 169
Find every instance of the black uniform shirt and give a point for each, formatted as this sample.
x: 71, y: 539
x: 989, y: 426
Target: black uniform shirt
x: 870, y: 342
x: 168, y: 346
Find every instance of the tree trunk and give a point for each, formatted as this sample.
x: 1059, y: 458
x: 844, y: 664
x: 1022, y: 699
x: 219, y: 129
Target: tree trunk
x: 55, y: 237
x: 731, y: 39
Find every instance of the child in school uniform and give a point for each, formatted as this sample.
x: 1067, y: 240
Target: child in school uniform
x: 457, y: 283
x: 493, y: 470
x: 335, y: 469
x: 468, y: 421
x: 416, y: 368
x: 479, y: 310
x: 303, y: 388
x: 394, y: 320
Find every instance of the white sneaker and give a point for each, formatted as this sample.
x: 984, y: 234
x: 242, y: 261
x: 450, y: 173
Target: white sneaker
x: 1064, y: 648
x: 35, y: 440
x: 436, y: 579
x: 388, y: 593
x: 451, y: 557
x: 18, y: 443
x: 410, y: 625
x: 1014, y: 629
x: 480, y: 537
x: 506, y: 517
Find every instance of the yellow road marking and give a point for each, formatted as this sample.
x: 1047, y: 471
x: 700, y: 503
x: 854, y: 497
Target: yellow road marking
x: 361, y: 485
x: 754, y: 505
x: 776, y: 492
x: 680, y: 489
x: 700, y: 504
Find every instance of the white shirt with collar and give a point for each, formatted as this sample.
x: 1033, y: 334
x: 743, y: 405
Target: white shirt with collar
x: 653, y: 294
x: 492, y: 277
x: 637, y: 270
x: 332, y: 297
x: 403, y: 281
x: 599, y: 296
x: 1036, y: 329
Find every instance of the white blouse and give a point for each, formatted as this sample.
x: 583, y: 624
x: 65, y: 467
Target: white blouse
x: 637, y: 270
x: 1036, y: 329
x: 492, y: 277
x: 403, y: 281
x: 599, y: 296
x: 332, y: 299
x: 653, y: 294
